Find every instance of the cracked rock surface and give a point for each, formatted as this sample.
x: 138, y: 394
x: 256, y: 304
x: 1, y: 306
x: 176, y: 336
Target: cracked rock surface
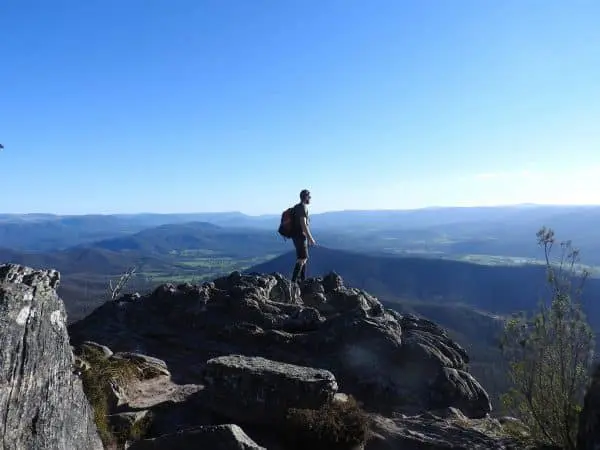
x: 42, y: 403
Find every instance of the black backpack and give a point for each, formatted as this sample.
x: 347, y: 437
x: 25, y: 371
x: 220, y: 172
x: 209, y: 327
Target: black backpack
x: 287, y: 226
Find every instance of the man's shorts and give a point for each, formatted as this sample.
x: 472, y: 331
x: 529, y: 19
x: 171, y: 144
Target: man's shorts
x: 301, y: 245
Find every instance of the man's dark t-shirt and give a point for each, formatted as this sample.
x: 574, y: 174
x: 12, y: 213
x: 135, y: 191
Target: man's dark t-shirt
x: 300, y: 211
x: 300, y: 241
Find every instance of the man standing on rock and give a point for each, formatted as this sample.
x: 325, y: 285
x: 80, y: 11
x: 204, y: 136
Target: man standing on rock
x: 303, y: 237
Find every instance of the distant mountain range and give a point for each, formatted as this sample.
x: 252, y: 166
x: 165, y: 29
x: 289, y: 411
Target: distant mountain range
x: 44, y: 232
x: 457, y: 233
x: 213, y: 239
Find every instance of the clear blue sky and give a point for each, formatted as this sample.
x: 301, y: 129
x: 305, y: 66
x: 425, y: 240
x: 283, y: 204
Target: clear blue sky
x: 188, y: 105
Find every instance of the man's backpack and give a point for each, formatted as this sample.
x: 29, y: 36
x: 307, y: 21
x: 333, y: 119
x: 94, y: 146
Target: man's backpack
x: 286, y: 227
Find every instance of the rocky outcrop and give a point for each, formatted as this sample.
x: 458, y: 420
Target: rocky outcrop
x: 184, y: 416
x: 242, y: 363
x: 42, y: 402
x: 588, y: 437
x: 387, y: 361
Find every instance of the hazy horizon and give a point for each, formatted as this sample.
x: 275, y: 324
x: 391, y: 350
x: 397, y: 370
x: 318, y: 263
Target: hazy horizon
x: 115, y: 106
x: 312, y: 211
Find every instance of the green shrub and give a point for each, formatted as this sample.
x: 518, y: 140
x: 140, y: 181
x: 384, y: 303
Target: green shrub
x: 550, y: 354
x: 338, y: 425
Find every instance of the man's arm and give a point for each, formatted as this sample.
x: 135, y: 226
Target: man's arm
x: 306, y: 229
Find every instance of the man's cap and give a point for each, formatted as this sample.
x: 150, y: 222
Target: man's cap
x: 304, y: 193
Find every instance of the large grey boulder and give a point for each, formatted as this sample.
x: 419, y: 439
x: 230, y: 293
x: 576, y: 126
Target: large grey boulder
x: 42, y: 403
x: 258, y: 390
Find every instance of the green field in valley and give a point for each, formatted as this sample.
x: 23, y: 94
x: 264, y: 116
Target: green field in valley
x: 197, y: 266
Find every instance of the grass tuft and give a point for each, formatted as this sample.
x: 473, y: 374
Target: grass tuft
x: 97, y: 378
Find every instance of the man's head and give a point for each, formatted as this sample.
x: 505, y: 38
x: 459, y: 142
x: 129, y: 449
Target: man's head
x: 305, y: 196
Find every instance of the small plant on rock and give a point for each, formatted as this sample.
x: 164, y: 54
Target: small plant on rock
x: 336, y: 425
x: 550, y: 354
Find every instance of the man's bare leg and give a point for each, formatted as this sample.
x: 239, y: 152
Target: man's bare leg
x: 298, y: 268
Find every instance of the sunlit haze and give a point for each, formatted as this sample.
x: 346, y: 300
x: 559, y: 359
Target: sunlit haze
x: 130, y: 106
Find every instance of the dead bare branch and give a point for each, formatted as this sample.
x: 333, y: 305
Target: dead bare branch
x: 114, y: 291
